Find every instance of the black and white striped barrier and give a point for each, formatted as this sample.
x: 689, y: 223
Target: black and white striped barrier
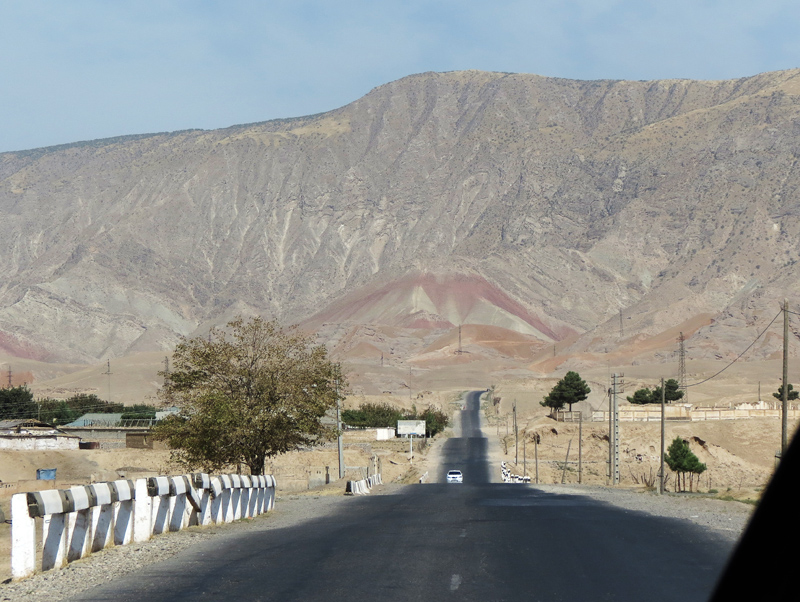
x: 363, y: 486
x: 81, y: 520
x: 508, y: 477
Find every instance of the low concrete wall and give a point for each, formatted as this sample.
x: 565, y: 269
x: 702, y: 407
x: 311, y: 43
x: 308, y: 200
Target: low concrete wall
x: 43, y: 442
x: 143, y: 441
x: 652, y: 413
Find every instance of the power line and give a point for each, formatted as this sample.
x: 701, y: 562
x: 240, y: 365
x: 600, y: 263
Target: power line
x: 741, y: 354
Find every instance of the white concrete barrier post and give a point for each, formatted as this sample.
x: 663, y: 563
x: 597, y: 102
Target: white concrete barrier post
x: 247, y: 496
x: 261, y: 494
x: 123, y: 512
x: 158, y: 490
x: 102, y: 530
x: 216, y: 508
x: 179, y: 515
x: 53, y: 541
x: 79, y: 523
x: 23, y: 538
x: 142, y: 512
x: 273, y: 486
x: 228, y: 499
x: 236, y: 497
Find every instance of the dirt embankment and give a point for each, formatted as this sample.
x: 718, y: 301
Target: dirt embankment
x: 739, y: 454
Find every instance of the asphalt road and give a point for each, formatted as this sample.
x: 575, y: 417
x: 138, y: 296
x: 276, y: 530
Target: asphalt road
x: 472, y: 541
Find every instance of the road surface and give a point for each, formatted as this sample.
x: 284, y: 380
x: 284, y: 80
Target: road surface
x: 472, y: 541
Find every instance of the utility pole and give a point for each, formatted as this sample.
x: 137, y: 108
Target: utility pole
x: 580, y: 448
x: 516, y: 433
x: 663, y: 440
x: 459, y: 339
x: 682, y: 367
x: 339, y: 442
x: 536, y: 455
x: 613, y: 434
x: 524, y: 455
x: 785, y: 388
x: 109, y: 373
x: 9, y: 376
x: 610, y: 435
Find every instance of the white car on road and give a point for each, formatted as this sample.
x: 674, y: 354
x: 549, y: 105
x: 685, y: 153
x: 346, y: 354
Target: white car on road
x: 455, y: 476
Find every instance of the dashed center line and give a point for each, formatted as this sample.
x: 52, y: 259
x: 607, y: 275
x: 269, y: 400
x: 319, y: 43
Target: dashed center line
x: 455, y: 581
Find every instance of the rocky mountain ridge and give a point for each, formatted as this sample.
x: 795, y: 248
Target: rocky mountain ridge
x: 663, y: 200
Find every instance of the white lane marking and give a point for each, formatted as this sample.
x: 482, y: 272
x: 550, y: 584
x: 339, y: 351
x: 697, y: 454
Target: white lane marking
x: 463, y: 533
x: 455, y: 581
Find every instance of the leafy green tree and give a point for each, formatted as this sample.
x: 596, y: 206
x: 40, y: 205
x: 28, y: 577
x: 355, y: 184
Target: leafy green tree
x: 642, y: 396
x: 139, y: 411
x: 672, y: 393
x: 569, y: 390
x: 791, y: 395
x: 246, y: 393
x: 681, y: 460
x: 435, y: 420
x: 84, y: 403
x: 17, y: 402
x: 56, y: 411
x: 373, y: 415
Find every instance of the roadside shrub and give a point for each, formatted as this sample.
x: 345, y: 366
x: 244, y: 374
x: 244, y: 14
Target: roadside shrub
x: 380, y: 415
x: 372, y: 415
x: 139, y: 412
x: 435, y: 420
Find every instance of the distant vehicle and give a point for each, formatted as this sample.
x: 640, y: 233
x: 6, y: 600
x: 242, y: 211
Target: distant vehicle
x: 455, y: 476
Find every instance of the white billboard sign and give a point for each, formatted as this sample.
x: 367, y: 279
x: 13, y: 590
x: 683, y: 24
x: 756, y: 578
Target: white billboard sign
x: 411, y: 427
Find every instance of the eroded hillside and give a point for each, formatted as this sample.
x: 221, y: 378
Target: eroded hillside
x: 574, y: 200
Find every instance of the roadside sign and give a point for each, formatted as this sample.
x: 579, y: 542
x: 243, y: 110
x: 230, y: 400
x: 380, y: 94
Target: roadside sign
x: 411, y: 427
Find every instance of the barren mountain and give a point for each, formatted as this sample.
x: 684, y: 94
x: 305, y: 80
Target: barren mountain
x: 535, y: 206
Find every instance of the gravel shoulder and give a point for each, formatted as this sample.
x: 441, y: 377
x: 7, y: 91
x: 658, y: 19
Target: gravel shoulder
x: 729, y: 519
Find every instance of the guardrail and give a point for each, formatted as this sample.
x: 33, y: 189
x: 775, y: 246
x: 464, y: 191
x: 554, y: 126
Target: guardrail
x: 363, y: 486
x: 80, y: 520
x: 509, y: 477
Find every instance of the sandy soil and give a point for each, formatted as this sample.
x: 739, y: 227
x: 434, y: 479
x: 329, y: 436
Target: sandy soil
x: 740, y: 454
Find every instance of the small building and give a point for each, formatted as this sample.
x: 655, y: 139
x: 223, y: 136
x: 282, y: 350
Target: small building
x: 384, y: 434
x: 29, y: 434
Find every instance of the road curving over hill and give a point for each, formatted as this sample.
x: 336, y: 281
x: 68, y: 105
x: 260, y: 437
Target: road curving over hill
x: 479, y: 540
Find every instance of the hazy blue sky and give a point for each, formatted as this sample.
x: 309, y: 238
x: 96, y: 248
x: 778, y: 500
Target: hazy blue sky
x: 82, y: 69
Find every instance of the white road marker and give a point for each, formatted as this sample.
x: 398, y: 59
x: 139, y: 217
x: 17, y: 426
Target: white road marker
x: 455, y: 581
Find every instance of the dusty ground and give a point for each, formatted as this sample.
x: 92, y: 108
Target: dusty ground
x: 740, y: 454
